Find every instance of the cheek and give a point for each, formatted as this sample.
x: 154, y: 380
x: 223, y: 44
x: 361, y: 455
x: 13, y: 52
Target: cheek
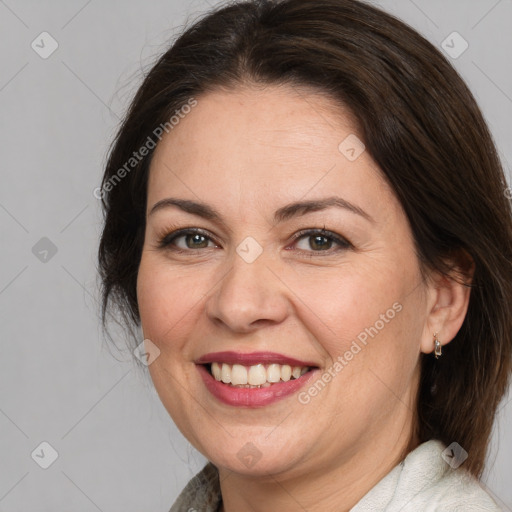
x: 168, y: 302
x: 166, y: 298
x: 341, y: 304
x: 367, y: 324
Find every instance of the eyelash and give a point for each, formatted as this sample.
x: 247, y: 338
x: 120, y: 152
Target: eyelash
x: 166, y: 241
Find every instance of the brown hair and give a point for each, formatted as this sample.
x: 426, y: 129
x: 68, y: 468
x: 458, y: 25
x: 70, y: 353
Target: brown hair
x: 420, y: 124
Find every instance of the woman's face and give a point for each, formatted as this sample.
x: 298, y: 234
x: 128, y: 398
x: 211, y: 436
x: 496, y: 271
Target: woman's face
x: 259, y: 280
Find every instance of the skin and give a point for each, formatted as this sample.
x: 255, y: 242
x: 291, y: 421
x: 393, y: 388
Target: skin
x: 247, y: 152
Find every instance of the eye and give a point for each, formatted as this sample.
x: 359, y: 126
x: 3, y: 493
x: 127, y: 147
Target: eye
x: 187, y: 239
x: 319, y: 240
x: 309, y: 240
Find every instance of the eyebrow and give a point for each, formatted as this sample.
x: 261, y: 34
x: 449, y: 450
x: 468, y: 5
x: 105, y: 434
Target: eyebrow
x: 282, y: 214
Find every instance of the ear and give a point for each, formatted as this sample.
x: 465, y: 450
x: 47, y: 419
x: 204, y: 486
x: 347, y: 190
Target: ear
x: 448, y: 300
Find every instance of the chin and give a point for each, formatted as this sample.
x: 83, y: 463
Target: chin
x: 247, y: 456
x: 251, y: 465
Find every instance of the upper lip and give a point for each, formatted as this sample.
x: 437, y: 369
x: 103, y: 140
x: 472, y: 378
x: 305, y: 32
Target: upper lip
x: 250, y: 359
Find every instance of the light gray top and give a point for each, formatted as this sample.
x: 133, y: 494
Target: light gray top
x: 422, y: 482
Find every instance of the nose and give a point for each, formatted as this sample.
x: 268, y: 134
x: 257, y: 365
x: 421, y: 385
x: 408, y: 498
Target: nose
x: 249, y: 296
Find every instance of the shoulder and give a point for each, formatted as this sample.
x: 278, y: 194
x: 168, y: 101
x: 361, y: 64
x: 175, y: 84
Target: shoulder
x: 425, y: 482
x: 202, y: 493
x: 456, y: 491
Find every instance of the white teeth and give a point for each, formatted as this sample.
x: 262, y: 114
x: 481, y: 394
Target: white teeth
x: 286, y: 372
x: 226, y: 373
x: 257, y: 375
x: 217, y: 371
x: 238, y: 374
x: 274, y: 373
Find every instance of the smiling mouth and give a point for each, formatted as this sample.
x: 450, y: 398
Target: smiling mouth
x: 255, y: 376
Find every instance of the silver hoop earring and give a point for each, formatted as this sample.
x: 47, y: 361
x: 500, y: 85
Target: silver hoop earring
x: 437, y: 347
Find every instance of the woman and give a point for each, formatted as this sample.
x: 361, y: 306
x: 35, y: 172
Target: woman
x: 306, y: 214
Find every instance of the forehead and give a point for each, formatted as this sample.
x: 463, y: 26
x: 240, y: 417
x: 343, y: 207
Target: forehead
x: 265, y: 142
x: 277, y: 117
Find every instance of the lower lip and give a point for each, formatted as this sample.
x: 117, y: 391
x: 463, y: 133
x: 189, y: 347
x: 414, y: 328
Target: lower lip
x: 252, y: 397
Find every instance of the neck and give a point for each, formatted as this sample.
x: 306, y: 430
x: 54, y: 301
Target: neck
x: 330, y: 480
x: 338, y: 487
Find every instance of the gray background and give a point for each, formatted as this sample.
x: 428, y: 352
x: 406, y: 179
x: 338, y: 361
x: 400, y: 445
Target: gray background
x: 118, y: 449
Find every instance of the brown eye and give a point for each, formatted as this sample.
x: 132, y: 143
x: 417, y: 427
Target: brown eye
x: 195, y: 241
x: 320, y: 240
x: 321, y: 243
x: 186, y: 239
